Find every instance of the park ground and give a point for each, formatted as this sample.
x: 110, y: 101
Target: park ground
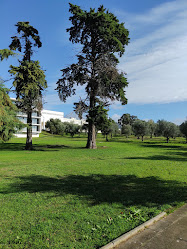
x: 61, y: 195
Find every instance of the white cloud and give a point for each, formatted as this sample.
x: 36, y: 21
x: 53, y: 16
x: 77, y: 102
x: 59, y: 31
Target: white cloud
x: 115, y: 117
x: 52, y: 99
x: 157, y: 63
x: 178, y: 121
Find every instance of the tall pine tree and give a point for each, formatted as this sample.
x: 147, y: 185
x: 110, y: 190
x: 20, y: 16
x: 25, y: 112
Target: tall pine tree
x: 29, y: 78
x: 102, y: 37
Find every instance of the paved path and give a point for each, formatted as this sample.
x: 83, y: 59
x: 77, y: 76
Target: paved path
x: 168, y: 233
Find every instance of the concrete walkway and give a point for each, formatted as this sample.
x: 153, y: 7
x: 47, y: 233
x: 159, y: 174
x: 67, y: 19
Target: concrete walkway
x: 168, y: 233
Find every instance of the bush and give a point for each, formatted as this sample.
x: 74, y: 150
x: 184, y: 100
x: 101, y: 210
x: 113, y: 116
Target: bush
x: 55, y: 126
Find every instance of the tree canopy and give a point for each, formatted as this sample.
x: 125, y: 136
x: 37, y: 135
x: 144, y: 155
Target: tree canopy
x: 9, y: 124
x: 183, y: 129
x: 102, y: 37
x: 29, y: 78
x: 167, y: 129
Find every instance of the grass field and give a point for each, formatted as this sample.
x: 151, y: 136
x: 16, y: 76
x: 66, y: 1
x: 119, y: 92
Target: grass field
x: 61, y: 195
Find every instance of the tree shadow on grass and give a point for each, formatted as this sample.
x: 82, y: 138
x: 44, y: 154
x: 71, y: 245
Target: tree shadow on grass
x: 36, y: 147
x: 96, y: 189
x: 180, y: 157
x: 151, y: 144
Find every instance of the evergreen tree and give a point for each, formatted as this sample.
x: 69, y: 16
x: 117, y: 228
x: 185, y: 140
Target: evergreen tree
x: 102, y: 37
x: 9, y: 124
x: 29, y: 81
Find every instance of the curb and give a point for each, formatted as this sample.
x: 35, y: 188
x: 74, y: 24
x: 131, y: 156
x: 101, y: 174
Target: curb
x: 133, y: 232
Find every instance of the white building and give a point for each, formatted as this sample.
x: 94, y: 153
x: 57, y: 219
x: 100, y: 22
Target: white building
x: 39, y: 120
x: 36, y: 123
x: 47, y: 115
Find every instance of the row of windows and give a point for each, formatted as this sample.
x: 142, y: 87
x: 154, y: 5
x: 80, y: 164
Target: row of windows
x: 34, y: 114
x: 34, y: 120
x: 34, y: 128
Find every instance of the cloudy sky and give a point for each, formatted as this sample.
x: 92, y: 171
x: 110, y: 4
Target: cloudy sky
x: 155, y: 60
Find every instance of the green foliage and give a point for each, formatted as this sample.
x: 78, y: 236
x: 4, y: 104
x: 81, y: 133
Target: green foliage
x: 126, y: 130
x: 114, y: 128
x: 98, y: 115
x: 27, y: 37
x: 29, y: 82
x: 55, y: 126
x: 140, y: 128
x: 127, y: 119
x: 183, y: 129
x: 5, y: 53
x: 80, y: 108
x: 9, y: 124
x: 29, y: 78
x: 72, y: 128
x: 167, y: 129
x: 101, y: 36
x: 151, y: 127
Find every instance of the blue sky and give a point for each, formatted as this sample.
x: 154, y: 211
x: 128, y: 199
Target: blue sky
x: 155, y: 60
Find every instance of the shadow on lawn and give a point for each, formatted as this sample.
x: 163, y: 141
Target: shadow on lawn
x: 96, y: 189
x: 181, y: 157
x: 169, y: 152
x: 44, y: 147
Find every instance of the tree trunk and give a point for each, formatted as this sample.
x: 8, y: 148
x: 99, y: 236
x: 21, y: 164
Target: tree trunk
x: 29, y: 131
x: 142, y: 138
x: 106, y: 138
x: 91, y: 142
x: 167, y: 139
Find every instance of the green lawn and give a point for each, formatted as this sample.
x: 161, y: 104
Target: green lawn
x: 62, y: 195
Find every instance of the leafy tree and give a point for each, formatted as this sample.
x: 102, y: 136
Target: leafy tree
x: 106, y: 127
x: 55, y: 126
x: 183, y: 129
x: 140, y: 128
x: 151, y: 127
x: 127, y: 119
x: 102, y: 37
x: 114, y: 128
x: 29, y: 78
x: 9, y: 124
x: 72, y: 128
x: 126, y: 130
x: 167, y: 129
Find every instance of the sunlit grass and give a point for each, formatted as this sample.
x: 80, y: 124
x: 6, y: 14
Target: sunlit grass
x: 61, y: 195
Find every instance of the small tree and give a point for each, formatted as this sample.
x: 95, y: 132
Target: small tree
x: 140, y: 128
x: 126, y: 130
x: 106, y: 128
x: 72, y: 128
x: 55, y: 126
x: 183, y: 129
x: 102, y: 37
x: 29, y: 81
x: 167, y: 129
x: 114, y: 128
x: 151, y: 127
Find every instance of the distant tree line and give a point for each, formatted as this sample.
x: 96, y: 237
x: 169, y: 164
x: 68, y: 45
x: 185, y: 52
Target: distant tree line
x: 130, y: 124
x: 56, y: 126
